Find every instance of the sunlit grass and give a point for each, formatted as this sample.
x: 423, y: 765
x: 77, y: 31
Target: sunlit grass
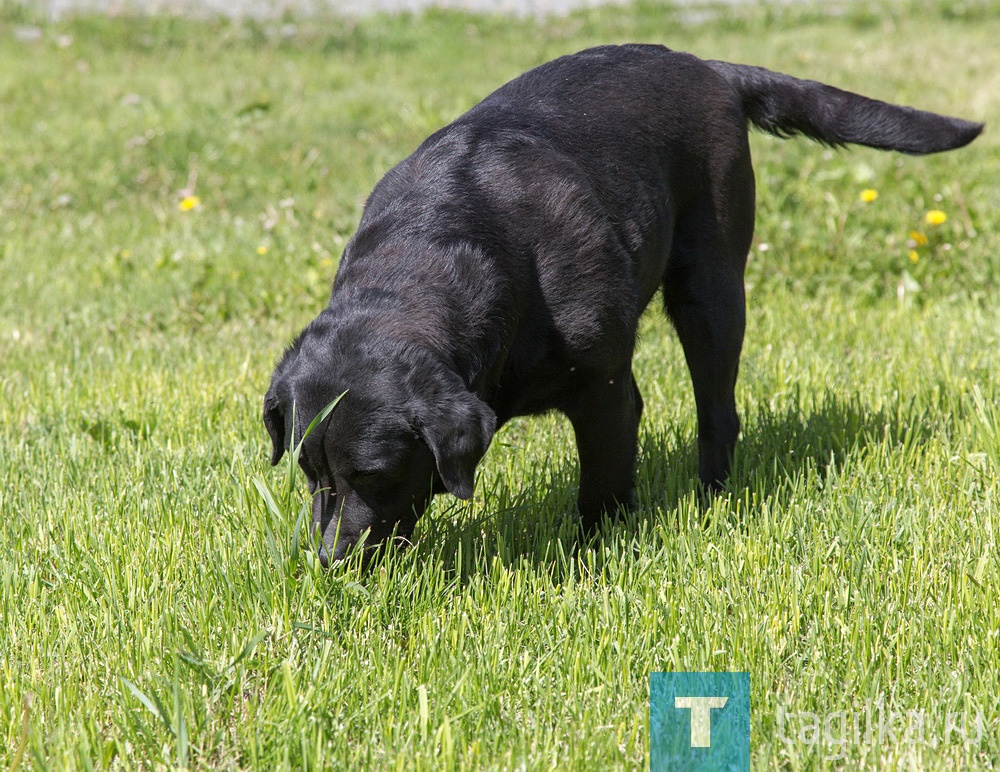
x: 173, y: 200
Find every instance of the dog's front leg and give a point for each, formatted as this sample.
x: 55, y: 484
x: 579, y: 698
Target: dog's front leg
x: 605, y: 417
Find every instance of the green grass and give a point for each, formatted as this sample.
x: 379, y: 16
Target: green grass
x: 156, y: 610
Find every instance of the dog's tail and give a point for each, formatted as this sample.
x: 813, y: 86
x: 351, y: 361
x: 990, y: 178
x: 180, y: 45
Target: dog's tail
x: 786, y: 106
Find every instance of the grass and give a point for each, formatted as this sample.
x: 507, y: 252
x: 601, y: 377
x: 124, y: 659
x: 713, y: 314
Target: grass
x: 156, y: 606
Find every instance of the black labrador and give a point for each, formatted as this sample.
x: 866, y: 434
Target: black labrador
x: 501, y: 270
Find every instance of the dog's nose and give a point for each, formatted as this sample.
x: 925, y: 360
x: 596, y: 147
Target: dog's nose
x: 332, y: 553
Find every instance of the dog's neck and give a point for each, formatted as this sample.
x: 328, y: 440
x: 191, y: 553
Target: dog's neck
x: 404, y: 289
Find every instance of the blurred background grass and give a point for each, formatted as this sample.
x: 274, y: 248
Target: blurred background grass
x: 282, y: 128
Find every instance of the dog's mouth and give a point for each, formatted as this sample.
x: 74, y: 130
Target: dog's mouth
x: 343, y: 527
x: 372, y: 551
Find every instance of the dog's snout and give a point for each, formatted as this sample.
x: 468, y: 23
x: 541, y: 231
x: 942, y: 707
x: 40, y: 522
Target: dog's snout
x: 324, y: 511
x: 334, y: 550
x: 332, y: 533
x: 324, y: 556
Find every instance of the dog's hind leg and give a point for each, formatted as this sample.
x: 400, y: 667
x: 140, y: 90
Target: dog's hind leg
x: 704, y: 298
x: 711, y: 333
x: 605, y: 417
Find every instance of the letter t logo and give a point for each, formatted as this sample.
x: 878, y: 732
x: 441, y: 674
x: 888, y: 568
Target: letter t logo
x: 701, y: 717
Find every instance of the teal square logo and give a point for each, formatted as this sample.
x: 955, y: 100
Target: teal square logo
x: 699, y: 721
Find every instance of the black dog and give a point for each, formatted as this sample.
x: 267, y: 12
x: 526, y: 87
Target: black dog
x: 501, y: 270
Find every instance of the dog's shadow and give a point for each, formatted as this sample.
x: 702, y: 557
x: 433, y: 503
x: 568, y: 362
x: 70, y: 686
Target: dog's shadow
x: 537, y: 522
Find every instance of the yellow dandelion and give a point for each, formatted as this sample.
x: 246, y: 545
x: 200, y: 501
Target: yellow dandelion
x: 914, y: 256
x: 188, y: 203
x: 868, y: 195
x: 935, y: 217
x: 919, y: 239
x: 262, y: 250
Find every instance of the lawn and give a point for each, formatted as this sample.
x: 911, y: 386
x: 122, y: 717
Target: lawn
x: 174, y: 197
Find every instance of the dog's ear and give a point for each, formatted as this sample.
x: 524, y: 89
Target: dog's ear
x: 274, y: 422
x: 458, y: 432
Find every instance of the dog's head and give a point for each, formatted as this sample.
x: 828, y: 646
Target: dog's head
x: 406, y: 428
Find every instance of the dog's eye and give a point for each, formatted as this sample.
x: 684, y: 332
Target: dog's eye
x: 370, y: 480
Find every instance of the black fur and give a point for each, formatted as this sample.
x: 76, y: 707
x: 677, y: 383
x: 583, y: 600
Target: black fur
x: 501, y: 270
